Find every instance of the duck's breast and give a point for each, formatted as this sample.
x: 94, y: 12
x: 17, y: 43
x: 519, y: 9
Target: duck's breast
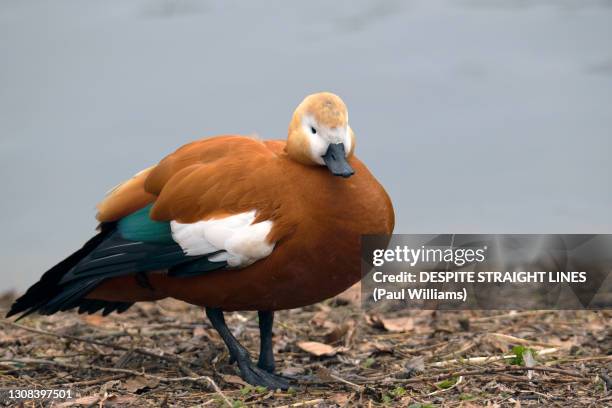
x: 323, y: 256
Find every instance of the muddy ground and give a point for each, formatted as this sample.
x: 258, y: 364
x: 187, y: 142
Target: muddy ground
x: 166, y: 354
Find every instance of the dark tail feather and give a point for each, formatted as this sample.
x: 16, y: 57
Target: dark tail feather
x: 47, y: 288
x: 91, y: 306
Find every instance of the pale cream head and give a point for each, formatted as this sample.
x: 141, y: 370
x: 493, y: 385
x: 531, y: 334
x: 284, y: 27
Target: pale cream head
x: 320, y: 121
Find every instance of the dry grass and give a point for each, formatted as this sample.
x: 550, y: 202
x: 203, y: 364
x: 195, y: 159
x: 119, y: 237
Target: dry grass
x: 166, y: 354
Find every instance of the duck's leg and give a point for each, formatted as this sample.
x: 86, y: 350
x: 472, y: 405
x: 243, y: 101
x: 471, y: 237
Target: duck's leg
x: 266, y: 354
x: 248, y: 371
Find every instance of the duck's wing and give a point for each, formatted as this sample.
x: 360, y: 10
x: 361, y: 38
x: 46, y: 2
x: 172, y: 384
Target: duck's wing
x: 218, y: 198
x: 224, y: 178
x: 221, y: 196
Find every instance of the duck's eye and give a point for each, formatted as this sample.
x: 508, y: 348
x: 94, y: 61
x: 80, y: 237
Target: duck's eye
x: 313, y: 130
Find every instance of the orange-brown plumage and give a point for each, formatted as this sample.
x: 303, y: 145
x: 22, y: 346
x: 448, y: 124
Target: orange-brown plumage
x: 125, y: 198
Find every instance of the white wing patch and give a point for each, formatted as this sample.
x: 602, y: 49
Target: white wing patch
x: 242, y: 241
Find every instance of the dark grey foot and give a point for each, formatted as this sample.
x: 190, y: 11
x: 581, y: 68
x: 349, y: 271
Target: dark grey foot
x: 260, y: 377
x: 261, y: 374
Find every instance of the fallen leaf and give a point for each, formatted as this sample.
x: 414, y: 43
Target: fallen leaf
x: 140, y: 383
x: 234, y: 379
x: 121, y: 401
x: 94, y: 320
x: 375, y: 347
x: 339, y: 332
x: 87, y: 401
x: 395, y: 325
x: 108, y: 385
x: 317, y: 349
x: 398, y: 325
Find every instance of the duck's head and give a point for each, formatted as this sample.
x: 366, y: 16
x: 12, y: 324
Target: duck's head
x: 319, y: 134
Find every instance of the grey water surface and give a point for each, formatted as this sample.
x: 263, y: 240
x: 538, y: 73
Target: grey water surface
x: 477, y: 116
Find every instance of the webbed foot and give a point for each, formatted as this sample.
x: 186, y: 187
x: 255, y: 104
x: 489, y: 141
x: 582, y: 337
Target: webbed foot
x: 257, y: 376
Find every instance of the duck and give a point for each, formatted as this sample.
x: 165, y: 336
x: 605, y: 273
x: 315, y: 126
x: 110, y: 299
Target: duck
x: 231, y: 223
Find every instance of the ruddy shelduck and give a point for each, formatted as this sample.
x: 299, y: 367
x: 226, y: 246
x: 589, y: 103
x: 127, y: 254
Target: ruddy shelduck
x: 231, y: 223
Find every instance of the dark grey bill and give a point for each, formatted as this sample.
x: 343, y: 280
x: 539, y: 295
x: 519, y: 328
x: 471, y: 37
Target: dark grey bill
x: 335, y: 160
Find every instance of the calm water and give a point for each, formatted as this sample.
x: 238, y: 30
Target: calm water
x: 477, y: 116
